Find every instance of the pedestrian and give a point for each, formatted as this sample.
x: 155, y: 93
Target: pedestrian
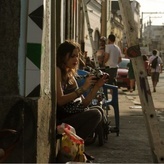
x: 72, y: 107
x: 100, y: 54
x: 131, y: 76
x: 156, y: 68
x: 112, y: 59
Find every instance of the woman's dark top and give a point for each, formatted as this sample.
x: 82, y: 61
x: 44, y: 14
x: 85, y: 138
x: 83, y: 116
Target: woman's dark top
x: 61, y: 114
x: 130, y: 71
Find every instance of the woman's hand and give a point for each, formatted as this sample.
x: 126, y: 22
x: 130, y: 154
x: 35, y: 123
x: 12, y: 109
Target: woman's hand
x: 100, y: 82
x: 89, y: 81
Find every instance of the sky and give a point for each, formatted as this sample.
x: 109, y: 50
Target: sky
x: 152, y: 6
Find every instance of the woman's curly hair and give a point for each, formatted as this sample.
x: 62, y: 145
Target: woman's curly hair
x: 65, y: 48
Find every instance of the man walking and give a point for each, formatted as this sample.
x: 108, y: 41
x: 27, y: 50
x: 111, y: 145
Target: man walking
x: 155, y: 66
x: 112, y: 59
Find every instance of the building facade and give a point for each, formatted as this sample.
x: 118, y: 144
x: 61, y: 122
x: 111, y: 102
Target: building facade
x: 73, y: 25
x: 94, y: 14
x: 116, y: 23
x: 153, y: 37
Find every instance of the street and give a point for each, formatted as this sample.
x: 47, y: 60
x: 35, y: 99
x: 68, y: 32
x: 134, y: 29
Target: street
x: 132, y: 145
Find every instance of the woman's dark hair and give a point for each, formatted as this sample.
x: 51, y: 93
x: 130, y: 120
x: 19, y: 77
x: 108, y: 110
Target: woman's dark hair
x: 65, y: 48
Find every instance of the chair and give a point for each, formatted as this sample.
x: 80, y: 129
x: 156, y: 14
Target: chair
x: 113, y: 101
x: 81, y: 79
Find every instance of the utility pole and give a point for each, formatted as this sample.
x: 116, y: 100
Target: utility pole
x: 151, y: 121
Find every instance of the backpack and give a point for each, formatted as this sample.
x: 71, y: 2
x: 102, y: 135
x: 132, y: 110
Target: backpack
x: 154, y: 63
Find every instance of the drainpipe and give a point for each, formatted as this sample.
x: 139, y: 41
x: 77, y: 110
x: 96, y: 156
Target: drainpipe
x: 103, y: 18
x: 22, y: 47
x: 81, y: 25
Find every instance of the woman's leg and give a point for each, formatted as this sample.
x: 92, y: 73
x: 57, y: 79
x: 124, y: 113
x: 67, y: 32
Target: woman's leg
x: 132, y: 82
x: 86, y: 122
x: 100, y: 129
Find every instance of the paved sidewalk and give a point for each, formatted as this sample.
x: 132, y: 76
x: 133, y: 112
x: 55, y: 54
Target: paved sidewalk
x: 132, y: 145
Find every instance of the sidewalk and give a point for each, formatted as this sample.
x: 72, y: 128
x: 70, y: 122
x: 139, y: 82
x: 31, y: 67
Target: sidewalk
x: 132, y: 145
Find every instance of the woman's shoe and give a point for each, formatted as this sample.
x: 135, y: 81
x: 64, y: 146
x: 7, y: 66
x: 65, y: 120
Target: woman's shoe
x: 89, y: 157
x: 88, y: 161
x: 154, y: 90
x: 91, y: 139
x: 131, y: 90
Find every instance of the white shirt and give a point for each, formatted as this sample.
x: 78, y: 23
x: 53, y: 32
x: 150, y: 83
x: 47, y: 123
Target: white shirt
x: 158, y: 68
x: 114, y: 55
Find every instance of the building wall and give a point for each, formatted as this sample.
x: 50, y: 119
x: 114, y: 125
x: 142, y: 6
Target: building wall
x: 108, y: 17
x: 136, y: 11
x: 117, y: 27
x: 34, y: 39
x: 34, y: 34
x: 153, y: 37
x: 94, y: 13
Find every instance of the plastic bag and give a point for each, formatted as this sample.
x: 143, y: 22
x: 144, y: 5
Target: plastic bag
x: 72, y: 146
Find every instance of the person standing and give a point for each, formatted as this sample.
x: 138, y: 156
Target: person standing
x: 131, y: 76
x: 101, y: 52
x: 112, y: 58
x: 156, y: 70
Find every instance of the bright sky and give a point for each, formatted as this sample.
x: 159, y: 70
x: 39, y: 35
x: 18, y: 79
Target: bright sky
x: 152, y: 6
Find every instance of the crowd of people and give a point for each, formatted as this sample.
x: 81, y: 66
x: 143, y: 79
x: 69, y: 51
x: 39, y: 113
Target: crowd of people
x: 69, y: 60
x: 108, y: 56
x: 73, y: 107
x: 154, y: 72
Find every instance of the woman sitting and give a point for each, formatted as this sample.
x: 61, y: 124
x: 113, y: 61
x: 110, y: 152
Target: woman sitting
x: 84, y: 119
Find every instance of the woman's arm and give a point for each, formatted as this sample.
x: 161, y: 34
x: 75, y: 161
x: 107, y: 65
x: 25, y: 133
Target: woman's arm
x: 61, y: 98
x: 64, y: 99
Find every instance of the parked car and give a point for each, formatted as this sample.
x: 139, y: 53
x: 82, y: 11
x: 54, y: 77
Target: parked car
x: 122, y: 74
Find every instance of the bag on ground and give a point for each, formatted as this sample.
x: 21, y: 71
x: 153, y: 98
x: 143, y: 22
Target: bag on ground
x: 72, y: 146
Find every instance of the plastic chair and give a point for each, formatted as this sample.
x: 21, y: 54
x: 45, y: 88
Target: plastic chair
x: 114, y: 103
x: 81, y: 79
